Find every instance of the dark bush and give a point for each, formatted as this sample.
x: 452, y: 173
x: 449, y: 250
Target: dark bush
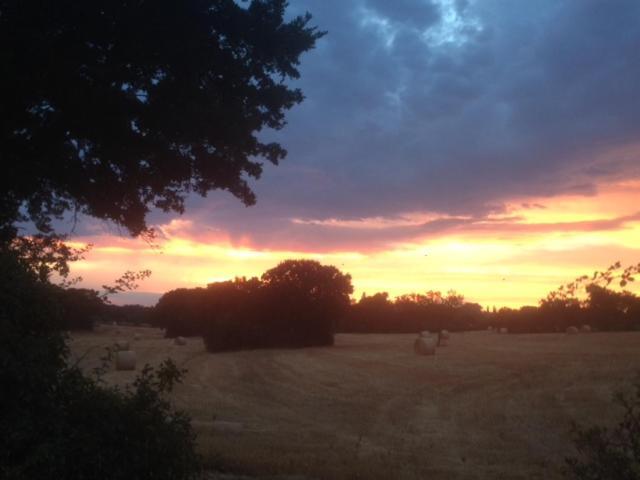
x: 58, y: 423
x: 610, y: 453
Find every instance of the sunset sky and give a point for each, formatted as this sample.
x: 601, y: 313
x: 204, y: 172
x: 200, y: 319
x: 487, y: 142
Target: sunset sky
x: 485, y: 146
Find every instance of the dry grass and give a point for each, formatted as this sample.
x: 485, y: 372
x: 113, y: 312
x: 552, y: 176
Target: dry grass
x: 486, y: 406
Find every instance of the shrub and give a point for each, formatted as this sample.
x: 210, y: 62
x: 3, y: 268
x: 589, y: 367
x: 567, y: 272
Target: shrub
x: 56, y: 422
x: 610, y: 453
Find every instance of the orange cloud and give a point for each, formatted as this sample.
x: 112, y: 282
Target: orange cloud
x: 512, y: 258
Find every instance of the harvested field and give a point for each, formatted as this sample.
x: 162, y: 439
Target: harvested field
x: 487, y: 406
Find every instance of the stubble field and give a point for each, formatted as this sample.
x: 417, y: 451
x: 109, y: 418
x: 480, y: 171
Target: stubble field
x: 486, y: 406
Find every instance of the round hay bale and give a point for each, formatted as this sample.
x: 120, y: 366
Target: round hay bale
x: 504, y: 330
x: 444, y: 334
x: 126, y: 360
x: 425, y: 333
x: 115, y: 324
x: 572, y: 330
x: 180, y: 341
x: 136, y: 337
x: 424, y: 346
x: 490, y: 328
x: 585, y: 329
x: 121, y: 346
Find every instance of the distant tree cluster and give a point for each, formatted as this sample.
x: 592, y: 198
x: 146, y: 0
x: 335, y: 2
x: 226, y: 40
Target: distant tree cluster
x: 295, y: 304
x: 127, y: 314
x: 84, y: 308
x: 412, y: 313
x: 588, y: 300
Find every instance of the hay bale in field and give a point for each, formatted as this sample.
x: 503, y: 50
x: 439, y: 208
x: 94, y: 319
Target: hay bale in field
x: 121, y: 346
x: 585, y: 329
x: 425, y: 333
x: 115, y: 324
x: 572, y: 330
x: 444, y: 334
x: 425, y: 346
x: 490, y: 328
x: 180, y: 341
x: 136, y: 337
x: 126, y: 360
x: 504, y: 330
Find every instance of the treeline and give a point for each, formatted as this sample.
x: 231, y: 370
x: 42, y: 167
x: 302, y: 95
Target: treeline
x: 83, y: 308
x: 303, y: 303
x: 295, y: 304
x: 412, y: 313
x: 603, y: 310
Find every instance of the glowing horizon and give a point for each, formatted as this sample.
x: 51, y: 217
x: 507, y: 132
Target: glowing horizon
x: 511, y: 258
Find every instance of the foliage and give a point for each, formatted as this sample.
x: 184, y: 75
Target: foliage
x: 412, y: 313
x: 610, y: 453
x: 110, y: 108
x: 48, y: 253
x: 614, y: 275
x: 57, y: 422
x: 181, y: 312
x: 304, y: 299
x: 45, y: 255
x: 81, y: 308
x: 127, y: 281
x: 237, y: 317
x: 598, y: 300
x: 127, y: 314
x: 295, y: 304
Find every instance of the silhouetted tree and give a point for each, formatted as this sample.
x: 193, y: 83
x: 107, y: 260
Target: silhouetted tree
x: 47, y: 254
x: 181, y: 312
x: 305, y: 299
x: 81, y: 308
x: 113, y: 107
x: 412, y: 313
x: 610, y: 310
x: 236, y: 317
x: 127, y: 314
x: 296, y: 304
x: 370, y: 314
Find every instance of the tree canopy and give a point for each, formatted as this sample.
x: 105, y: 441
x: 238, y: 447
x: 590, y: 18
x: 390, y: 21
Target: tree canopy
x: 112, y: 108
x: 298, y: 303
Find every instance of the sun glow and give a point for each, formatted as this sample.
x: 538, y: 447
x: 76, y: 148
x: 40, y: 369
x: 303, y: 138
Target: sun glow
x: 511, y: 259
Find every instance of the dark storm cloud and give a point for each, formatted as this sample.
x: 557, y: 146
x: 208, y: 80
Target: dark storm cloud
x: 416, y: 13
x: 446, y: 106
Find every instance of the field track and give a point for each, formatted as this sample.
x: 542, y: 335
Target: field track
x: 486, y: 406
